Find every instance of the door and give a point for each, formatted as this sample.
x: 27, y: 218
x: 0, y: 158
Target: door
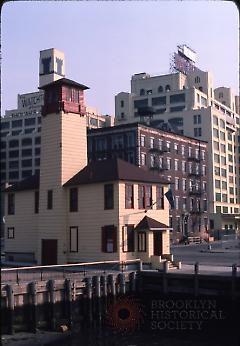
x: 49, y: 251
x: 157, y: 243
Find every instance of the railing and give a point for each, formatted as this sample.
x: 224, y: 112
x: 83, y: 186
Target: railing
x: 64, y: 271
x: 194, y: 191
x: 193, y: 158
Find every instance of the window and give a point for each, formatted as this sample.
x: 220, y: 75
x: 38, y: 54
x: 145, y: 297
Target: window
x: 216, y: 145
x: 143, y: 159
x: 38, y: 140
x: 215, y: 133
x: 142, y: 92
x: 73, y: 199
x: 168, y: 163
x: 216, y: 158
x: 128, y: 238
x: 184, y: 185
x: 13, y: 164
x: 177, y: 185
x: 142, y: 141
x: 176, y: 148
x: 37, y: 162
x: 222, y: 135
x: 108, y: 196
x: 184, y: 203
x: 167, y: 87
x: 73, y: 238
x: 37, y: 151
x: 177, y: 98
x: 197, y: 119
x: 177, y: 202
x: 26, y: 152
x: 4, y: 125
x: 217, y: 184
x: 176, y: 165
x: 36, y: 202
x: 46, y: 65
x: 50, y: 199
x: 184, y: 166
x: 141, y: 103
x: 30, y: 121
x: 16, y: 123
x: 168, y: 147
x: 178, y: 224
x: 151, y: 140
x: 223, y: 148
x: 197, y: 79
x: 109, y: 239
x: 218, y: 197
x: 160, y: 89
x: 222, y: 124
x: 205, y: 205
x: 10, y: 232
x: 177, y: 109
x: 142, y: 241
x: 144, y: 196
x: 26, y: 141
x: 183, y: 150
x: 149, y: 92
x: 11, y: 204
x: 158, y: 101
x: 160, y: 197
x: 121, y: 103
x: 13, y: 143
x: 26, y: 174
x: 27, y: 163
x: 129, y: 196
x: 197, y: 132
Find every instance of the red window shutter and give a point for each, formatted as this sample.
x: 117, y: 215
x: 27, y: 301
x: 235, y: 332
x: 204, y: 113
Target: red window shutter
x: 104, y: 245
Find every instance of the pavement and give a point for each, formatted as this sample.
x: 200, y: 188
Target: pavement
x: 222, y: 253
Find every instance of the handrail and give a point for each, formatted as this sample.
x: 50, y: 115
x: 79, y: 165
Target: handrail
x: 69, y: 265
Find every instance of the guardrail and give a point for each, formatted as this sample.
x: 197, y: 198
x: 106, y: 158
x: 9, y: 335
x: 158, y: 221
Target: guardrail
x: 64, y: 271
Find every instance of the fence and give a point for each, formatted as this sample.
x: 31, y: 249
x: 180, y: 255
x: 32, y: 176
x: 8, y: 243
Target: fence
x: 73, y: 271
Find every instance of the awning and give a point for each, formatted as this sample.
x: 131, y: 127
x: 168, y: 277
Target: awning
x: 147, y: 223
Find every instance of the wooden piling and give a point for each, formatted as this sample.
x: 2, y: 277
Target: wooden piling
x: 112, y: 284
x: 10, y: 306
x: 165, y: 282
x: 52, y: 319
x: 234, y: 277
x: 33, y: 306
x: 196, y: 279
x: 122, y: 283
x: 132, y: 281
x: 68, y: 301
x: 88, y: 281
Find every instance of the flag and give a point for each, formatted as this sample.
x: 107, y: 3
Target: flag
x: 170, y: 198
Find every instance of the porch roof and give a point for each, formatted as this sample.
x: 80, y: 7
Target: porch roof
x: 151, y: 224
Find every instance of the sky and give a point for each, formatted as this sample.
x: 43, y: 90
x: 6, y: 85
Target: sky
x: 106, y: 42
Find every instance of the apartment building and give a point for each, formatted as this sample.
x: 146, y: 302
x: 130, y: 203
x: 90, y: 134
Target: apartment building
x: 77, y: 212
x: 188, y: 104
x: 181, y: 160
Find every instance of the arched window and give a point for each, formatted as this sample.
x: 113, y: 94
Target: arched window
x: 167, y: 88
x: 142, y: 92
x: 160, y: 89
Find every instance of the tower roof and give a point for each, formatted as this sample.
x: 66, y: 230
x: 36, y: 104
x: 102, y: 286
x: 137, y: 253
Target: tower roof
x: 65, y: 81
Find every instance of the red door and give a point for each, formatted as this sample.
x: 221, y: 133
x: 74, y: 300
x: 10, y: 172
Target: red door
x: 157, y: 243
x: 49, y: 251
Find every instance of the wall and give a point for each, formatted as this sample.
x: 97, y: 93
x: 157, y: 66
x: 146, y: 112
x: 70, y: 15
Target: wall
x: 25, y: 223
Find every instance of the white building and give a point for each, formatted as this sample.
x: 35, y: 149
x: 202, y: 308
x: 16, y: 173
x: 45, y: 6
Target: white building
x: 189, y: 104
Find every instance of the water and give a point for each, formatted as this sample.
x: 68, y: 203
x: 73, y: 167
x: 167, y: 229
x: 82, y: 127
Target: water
x: 141, y: 338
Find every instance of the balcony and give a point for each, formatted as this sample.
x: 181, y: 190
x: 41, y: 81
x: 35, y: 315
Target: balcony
x: 158, y: 168
x: 194, y: 173
x: 193, y: 158
x: 158, y: 149
x: 195, y: 192
x: 196, y: 211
